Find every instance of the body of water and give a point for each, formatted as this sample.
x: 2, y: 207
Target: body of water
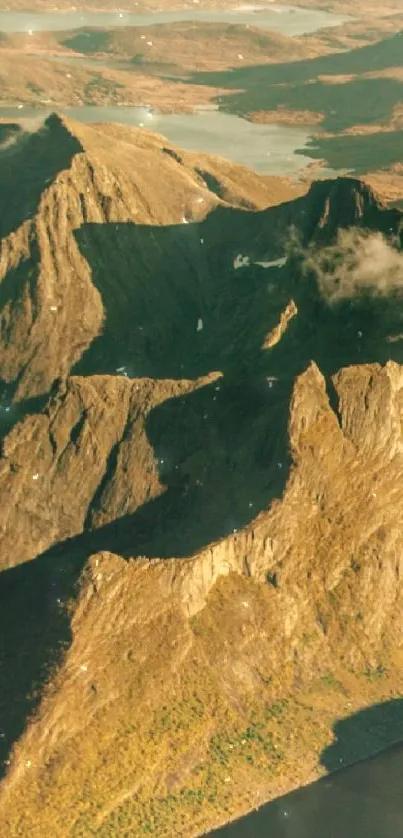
x: 287, y: 20
x: 268, y: 149
x: 362, y: 801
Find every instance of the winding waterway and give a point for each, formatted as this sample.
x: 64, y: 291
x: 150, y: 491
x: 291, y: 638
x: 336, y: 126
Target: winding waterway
x: 285, y: 19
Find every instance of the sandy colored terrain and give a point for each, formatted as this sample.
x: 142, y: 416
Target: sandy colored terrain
x: 200, y: 552
x: 281, y: 116
x: 40, y: 75
x: 388, y: 185
x: 127, y: 5
x: 112, y: 67
x: 129, y: 66
x: 38, y: 81
x: 356, y: 33
x: 357, y: 8
x: 183, y: 46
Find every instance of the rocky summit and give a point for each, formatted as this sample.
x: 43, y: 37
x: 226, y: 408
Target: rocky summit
x: 200, y: 481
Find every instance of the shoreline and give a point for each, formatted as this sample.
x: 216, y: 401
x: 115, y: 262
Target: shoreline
x: 293, y: 789
x: 220, y: 6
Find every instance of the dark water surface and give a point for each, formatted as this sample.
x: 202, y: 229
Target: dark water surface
x: 364, y: 800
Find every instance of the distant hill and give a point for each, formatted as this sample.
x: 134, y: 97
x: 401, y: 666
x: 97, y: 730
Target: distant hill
x: 40, y: 80
x: 185, y: 45
x: 377, y: 56
x: 309, y: 84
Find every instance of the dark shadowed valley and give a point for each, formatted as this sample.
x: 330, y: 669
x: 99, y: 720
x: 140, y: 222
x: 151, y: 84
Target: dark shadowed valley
x: 201, y: 403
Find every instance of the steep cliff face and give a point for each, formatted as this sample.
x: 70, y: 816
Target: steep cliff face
x: 92, y: 439
x: 345, y: 202
x: 78, y: 198
x: 84, y: 223
x: 235, y: 662
x: 200, y: 533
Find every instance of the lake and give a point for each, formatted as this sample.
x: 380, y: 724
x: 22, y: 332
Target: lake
x: 362, y: 801
x: 284, y: 19
x: 268, y: 149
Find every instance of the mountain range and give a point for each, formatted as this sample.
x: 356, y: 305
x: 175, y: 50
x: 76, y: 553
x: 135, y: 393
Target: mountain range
x: 200, y: 480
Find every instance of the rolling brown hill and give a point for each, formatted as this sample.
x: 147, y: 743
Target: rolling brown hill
x: 362, y: 8
x: 184, y: 45
x: 125, y: 65
x: 37, y: 80
x: 200, y: 482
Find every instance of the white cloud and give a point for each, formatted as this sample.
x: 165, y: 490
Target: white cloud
x: 359, y: 262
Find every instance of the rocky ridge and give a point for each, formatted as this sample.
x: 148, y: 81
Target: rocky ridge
x: 200, y: 538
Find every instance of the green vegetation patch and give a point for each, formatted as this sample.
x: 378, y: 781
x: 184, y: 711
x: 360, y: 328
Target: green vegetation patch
x: 360, y: 153
x: 88, y: 41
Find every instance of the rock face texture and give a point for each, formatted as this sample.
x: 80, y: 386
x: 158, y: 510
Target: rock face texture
x: 91, y: 437
x: 79, y: 199
x: 200, y: 484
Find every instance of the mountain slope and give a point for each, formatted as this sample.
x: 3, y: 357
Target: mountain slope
x: 200, y: 481
x: 70, y: 188
x: 107, y: 297
x: 170, y: 683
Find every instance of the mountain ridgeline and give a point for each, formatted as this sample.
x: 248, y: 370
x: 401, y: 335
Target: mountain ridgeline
x: 200, y: 479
